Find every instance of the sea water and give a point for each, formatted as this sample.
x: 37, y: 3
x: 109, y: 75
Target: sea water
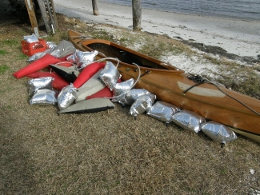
x: 242, y: 9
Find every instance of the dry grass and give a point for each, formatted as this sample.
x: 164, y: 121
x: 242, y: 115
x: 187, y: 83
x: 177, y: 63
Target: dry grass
x: 106, y: 152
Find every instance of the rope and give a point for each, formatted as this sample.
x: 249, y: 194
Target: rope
x: 201, y: 80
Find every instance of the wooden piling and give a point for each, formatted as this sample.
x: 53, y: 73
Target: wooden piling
x: 137, y: 15
x: 95, y: 7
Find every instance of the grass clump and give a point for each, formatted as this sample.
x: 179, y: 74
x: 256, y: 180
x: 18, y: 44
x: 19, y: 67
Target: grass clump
x: 3, y: 68
x: 10, y: 42
x: 3, y: 52
x: 244, y: 79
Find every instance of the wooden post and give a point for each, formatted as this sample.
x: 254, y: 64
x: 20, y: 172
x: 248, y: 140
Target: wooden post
x: 137, y: 15
x: 48, y: 15
x: 95, y: 7
x: 32, y: 16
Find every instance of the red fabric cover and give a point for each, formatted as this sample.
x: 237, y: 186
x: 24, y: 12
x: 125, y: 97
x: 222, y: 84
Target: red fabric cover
x: 39, y: 64
x: 58, y: 82
x: 105, y: 92
x: 87, y: 73
x: 64, y: 63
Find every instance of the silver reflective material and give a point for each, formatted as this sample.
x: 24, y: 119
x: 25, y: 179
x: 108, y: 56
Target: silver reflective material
x: 86, y: 58
x: 63, y: 49
x: 109, y: 75
x: 142, y: 104
x: 188, y: 120
x: 130, y: 97
x: 67, y: 96
x: 162, y: 111
x: 31, y: 38
x: 82, y: 59
x: 73, y: 57
x: 39, y: 83
x: 51, y: 45
x: 122, y: 88
x: 218, y: 132
x: 36, y: 56
x: 39, y: 55
x: 44, y: 97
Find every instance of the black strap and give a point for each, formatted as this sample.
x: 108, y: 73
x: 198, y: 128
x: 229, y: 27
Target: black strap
x: 197, y: 79
x: 200, y: 80
x: 186, y: 90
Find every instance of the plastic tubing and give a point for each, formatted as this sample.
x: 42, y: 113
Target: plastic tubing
x: 118, y: 61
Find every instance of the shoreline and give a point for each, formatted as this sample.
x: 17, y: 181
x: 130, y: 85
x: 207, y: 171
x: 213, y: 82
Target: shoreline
x: 202, y: 14
x: 236, y: 36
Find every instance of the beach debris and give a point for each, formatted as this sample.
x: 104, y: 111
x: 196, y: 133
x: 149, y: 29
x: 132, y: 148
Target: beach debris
x: 89, y: 106
x: 142, y: 104
x: 162, y: 111
x: 51, y: 45
x: 130, y: 97
x: 103, y: 93
x: 90, y: 87
x: 67, y: 96
x: 37, y: 65
x: 30, y: 38
x: 39, y: 83
x: 109, y: 75
x: 44, y: 97
x: 69, y: 74
x: 218, y: 132
x: 122, y: 88
x: 85, y: 86
x: 36, y: 56
x: 58, y: 83
x: 82, y: 59
x: 188, y: 120
x: 87, y: 73
x: 63, y: 49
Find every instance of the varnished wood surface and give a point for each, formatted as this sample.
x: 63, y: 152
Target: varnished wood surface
x: 169, y: 82
x: 32, y: 16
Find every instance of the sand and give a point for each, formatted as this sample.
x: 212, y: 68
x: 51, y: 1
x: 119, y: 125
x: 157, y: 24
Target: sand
x: 240, y: 37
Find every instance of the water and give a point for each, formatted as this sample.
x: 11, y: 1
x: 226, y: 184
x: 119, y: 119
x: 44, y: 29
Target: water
x: 242, y: 9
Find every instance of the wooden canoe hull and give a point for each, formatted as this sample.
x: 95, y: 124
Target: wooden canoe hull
x: 169, y: 83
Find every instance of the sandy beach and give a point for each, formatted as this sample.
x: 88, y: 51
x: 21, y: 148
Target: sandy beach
x: 236, y: 36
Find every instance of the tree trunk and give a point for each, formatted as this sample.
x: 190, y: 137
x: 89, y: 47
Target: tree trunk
x: 137, y: 15
x: 95, y: 7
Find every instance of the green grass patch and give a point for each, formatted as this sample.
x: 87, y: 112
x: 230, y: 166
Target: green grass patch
x: 22, y: 57
x: 3, y: 68
x: 102, y: 34
x: 9, y: 42
x: 3, y: 52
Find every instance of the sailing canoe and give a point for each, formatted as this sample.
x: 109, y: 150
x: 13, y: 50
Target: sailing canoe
x: 173, y: 85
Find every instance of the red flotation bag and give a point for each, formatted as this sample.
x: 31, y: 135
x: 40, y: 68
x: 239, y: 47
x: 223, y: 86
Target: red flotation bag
x: 37, y: 65
x: 103, y: 93
x: 87, y: 73
x: 64, y: 63
x: 58, y: 82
